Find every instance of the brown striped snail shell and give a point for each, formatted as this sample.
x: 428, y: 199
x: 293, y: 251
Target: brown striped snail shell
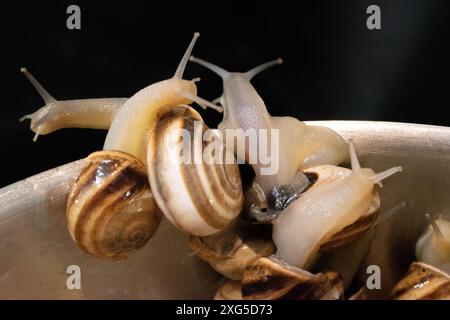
x: 272, y: 279
x: 111, y: 211
x: 423, y: 282
x: 229, y: 252
x: 200, y: 198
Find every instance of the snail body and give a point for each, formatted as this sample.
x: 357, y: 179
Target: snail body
x: 299, y: 145
x: 433, y: 247
x: 80, y: 113
x: 336, y: 200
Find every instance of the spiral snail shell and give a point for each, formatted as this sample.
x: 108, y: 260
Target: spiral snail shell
x: 422, y: 282
x: 230, y: 251
x: 199, y: 197
x: 273, y: 279
x: 111, y: 211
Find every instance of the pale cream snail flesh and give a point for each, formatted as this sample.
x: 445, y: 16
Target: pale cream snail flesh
x: 336, y: 200
x: 433, y: 247
x: 299, y: 146
x: 79, y: 113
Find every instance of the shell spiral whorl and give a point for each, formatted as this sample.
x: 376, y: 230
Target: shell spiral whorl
x: 200, y: 198
x: 111, y: 211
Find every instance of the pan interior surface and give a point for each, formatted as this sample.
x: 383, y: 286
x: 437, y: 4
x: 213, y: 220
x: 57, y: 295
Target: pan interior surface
x: 36, y: 249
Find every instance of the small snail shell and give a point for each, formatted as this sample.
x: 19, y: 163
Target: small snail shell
x: 423, y: 282
x: 229, y: 290
x: 199, y: 198
x: 229, y: 252
x: 271, y: 279
x: 111, y: 211
x: 433, y: 247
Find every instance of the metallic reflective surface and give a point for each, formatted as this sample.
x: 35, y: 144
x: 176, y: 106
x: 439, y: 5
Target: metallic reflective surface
x: 424, y: 153
x: 36, y: 249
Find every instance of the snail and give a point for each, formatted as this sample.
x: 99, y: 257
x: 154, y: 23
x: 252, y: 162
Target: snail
x: 299, y: 146
x: 422, y: 282
x: 339, y: 198
x: 200, y: 199
x: 433, y: 247
x: 270, y: 279
x: 80, y: 113
x: 234, y: 248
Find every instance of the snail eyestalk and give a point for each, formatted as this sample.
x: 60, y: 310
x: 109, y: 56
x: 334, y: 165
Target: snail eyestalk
x: 353, y: 156
x: 389, y: 214
x: 256, y: 70
x: 216, y: 69
x: 377, y: 178
x: 180, y: 70
x: 47, y: 97
x: 434, y: 225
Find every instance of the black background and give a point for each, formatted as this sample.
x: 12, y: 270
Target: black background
x: 335, y: 68
x: 119, y: 309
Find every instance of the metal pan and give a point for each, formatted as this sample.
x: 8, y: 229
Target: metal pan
x: 35, y: 248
